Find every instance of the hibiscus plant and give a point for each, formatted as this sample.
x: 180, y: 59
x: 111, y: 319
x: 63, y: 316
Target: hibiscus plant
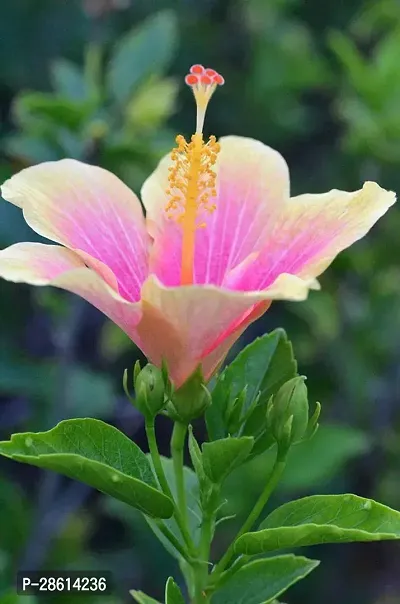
x: 221, y: 240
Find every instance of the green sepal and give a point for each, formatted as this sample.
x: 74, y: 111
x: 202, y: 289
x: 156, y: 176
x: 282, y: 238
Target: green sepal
x: 98, y: 454
x: 322, y: 519
x: 192, y: 399
x: 313, y: 424
x: 234, y: 412
x: 221, y: 457
x: 196, y: 456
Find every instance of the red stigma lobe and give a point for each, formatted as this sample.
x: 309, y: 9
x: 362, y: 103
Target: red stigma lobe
x: 205, y: 76
x: 197, y: 69
x: 191, y: 79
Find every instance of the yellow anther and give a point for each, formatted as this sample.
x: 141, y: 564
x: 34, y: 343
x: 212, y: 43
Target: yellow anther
x: 191, y: 185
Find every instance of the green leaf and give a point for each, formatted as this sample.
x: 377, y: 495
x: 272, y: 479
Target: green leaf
x: 142, y: 598
x: 145, y: 51
x: 95, y: 453
x: 263, y: 366
x: 173, y: 594
x: 152, y: 104
x: 192, y: 496
x: 69, y: 80
x: 261, y: 581
x: 322, y: 519
x: 221, y: 457
x: 32, y: 106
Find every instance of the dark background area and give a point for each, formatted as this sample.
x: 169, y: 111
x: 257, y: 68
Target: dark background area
x: 102, y: 81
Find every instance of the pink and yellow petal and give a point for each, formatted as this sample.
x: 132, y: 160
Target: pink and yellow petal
x: 35, y: 263
x: 39, y: 264
x: 347, y: 218
x: 305, y: 238
x: 89, y: 210
x: 252, y: 187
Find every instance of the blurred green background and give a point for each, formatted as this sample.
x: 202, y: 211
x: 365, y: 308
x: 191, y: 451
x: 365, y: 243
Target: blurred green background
x: 102, y: 81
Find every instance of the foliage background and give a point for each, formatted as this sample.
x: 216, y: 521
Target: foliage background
x: 101, y: 80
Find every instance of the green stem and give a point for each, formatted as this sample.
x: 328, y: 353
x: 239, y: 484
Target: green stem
x: 206, y: 537
x: 237, y: 565
x: 202, y: 567
x: 177, y: 448
x: 172, y: 539
x: 155, y: 456
x: 159, y: 470
x: 254, y: 514
x: 93, y: 69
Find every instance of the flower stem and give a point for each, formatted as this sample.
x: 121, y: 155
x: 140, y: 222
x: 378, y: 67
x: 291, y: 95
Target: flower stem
x: 172, y: 539
x: 177, y: 447
x: 201, y: 569
x: 272, y: 482
x: 155, y: 456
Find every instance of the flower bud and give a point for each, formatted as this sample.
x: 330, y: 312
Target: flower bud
x: 287, y: 414
x: 192, y: 399
x: 149, y: 389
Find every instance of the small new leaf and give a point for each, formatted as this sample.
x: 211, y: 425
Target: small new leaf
x: 173, y: 594
x: 221, y: 457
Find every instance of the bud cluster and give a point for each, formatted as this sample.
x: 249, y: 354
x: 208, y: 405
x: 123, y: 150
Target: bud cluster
x: 281, y: 419
x: 154, y: 393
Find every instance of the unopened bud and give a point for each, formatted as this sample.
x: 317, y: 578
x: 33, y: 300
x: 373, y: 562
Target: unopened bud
x: 287, y: 414
x: 149, y: 389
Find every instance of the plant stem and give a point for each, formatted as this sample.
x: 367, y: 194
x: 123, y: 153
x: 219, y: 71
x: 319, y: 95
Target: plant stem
x: 206, y: 537
x: 177, y: 447
x: 224, y: 576
x: 172, y: 539
x: 201, y: 569
x: 155, y: 456
x: 254, y: 514
x: 93, y: 69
